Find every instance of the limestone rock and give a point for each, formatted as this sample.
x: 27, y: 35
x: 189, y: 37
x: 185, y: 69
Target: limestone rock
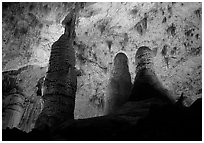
x: 29, y: 30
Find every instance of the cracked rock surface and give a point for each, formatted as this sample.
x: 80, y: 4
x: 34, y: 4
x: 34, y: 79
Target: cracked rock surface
x: 171, y: 30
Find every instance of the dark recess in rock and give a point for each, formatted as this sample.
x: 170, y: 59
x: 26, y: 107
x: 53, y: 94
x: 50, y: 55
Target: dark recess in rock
x: 12, y: 18
x: 80, y: 55
x: 141, y: 26
x: 162, y: 11
x: 170, y: 9
x: 39, y: 86
x: 102, y: 28
x: 188, y: 32
x: 8, y: 83
x: 97, y: 101
x: 12, y: 72
x: 186, y: 44
x: 16, y: 72
x: 79, y: 72
x: 31, y: 7
x: 144, y: 22
x: 172, y: 30
x: 164, y: 50
x: 199, y: 91
x: 164, y: 54
x: 164, y: 20
x: 198, y: 12
x: 46, y: 9
x: 6, y: 5
x: 126, y: 39
x: 94, y: 56
x: 109, y: 43
x: 197, y: 36
x: 173, y: 51
x: 134, y: 11
x: 195, y: 51
x: 81, y: 58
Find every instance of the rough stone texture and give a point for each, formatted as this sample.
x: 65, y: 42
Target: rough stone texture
x: 171, y: 30
x: 24, y: 83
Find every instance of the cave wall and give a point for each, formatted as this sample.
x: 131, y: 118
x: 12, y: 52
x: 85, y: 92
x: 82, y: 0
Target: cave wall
x: 172, y: 30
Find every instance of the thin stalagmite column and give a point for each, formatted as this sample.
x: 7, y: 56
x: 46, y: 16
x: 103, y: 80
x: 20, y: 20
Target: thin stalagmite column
x: 119, y: 85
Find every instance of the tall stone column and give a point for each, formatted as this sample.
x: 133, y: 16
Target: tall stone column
x: 119, y: 85
x: 61, y: 81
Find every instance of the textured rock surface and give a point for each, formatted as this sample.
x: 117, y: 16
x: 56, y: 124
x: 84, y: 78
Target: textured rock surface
x: 22, y: 97
x: 171, y: 30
